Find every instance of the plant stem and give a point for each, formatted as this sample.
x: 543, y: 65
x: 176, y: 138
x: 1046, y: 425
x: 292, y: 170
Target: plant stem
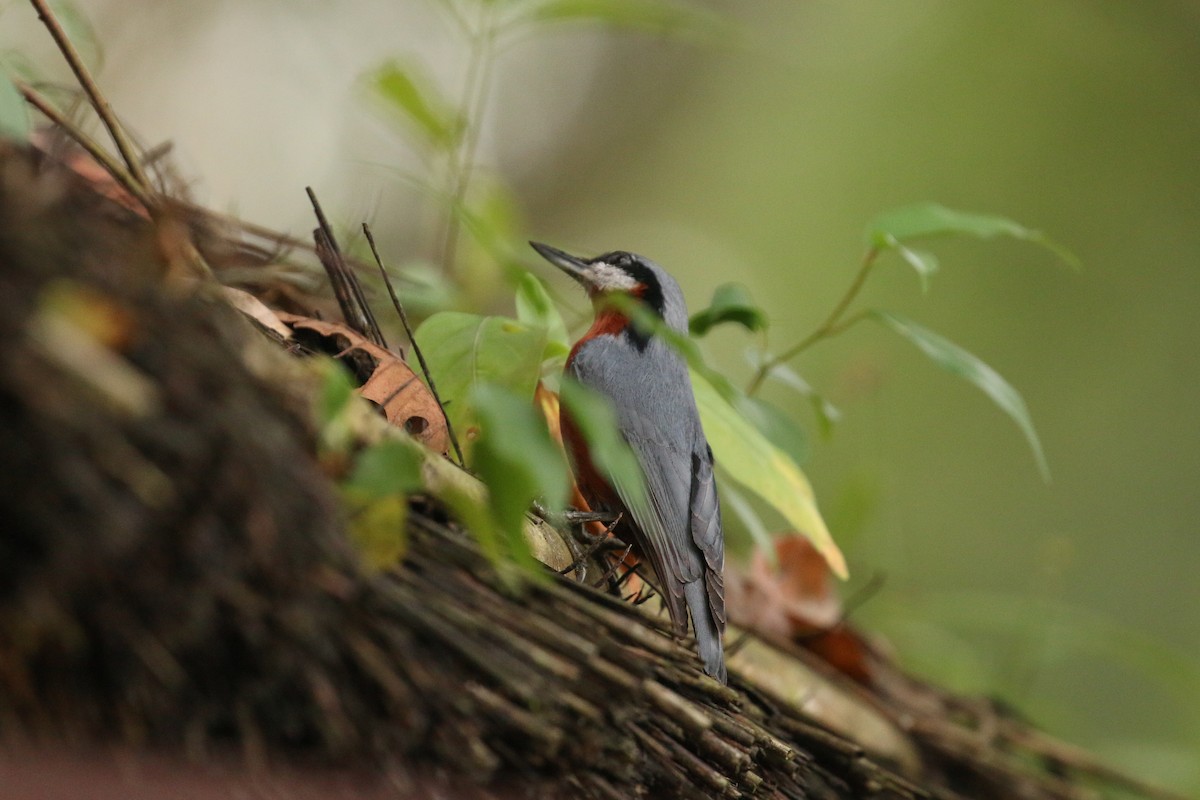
x: 110, y: 164
x: 832, y: 325
x: 387, y: 281
x: 462, y: 160
x: 99, y: 102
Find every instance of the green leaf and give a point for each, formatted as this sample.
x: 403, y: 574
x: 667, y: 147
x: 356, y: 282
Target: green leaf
x: 518, y: 461
x: 593, y: 414
x: 650, y: 16
x: 537, y: 310
x: 337, y: 390
x: 957, y: 361
x: 731, y: 303
x: 776, y: 426
x: 900, y: 226
x: 387, y: 468
x: 14, y: 116
x: 424, y: 288
x: 407, y: 91
x: 764, y: 469
x: 464, y: 350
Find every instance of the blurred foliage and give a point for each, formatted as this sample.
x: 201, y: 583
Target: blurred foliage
x: 447, y: 128
x: 519, y: 462
x: 375, y: 497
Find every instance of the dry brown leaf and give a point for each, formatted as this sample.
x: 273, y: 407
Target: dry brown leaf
x: 796, y: 600
x: 257, y: 310
x: 387, y: 381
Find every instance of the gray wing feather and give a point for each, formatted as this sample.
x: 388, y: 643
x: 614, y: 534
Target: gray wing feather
x: 682, y: 522
x: 707, y: 533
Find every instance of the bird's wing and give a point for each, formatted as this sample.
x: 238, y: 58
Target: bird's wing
x: 707, y: 532
x: 661, y: 428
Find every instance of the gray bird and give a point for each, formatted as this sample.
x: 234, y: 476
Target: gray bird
x: 679, y: 530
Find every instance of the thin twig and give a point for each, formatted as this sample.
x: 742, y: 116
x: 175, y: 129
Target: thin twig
x: 98, y: 100
x: 93, y: 148
x: 827, y: 328
x: 344, y: 282
x: 473, y: 103
x: 416, y: 348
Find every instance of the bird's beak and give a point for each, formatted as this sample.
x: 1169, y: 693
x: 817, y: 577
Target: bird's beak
x: 577, y: 268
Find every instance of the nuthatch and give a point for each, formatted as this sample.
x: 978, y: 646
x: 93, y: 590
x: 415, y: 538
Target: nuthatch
x: 679, y: 529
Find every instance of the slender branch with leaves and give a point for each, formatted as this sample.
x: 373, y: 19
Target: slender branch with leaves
x: 449, y: 127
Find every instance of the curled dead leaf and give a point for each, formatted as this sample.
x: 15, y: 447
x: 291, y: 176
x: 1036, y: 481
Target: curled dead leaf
x: 385, y: 379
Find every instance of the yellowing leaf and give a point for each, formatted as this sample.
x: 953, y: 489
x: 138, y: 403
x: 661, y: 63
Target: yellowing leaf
x: 746, y: 455
x: 377, y: 528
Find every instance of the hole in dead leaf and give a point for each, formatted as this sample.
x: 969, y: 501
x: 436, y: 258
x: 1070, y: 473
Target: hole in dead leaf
x: 415, y: 425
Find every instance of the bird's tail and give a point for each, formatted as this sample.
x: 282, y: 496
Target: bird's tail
x: 708, y: 637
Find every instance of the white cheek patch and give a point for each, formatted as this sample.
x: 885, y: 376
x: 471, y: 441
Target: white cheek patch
x: 608, y: 278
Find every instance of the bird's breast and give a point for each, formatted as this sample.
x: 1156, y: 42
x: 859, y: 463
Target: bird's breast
x: 608, y: 322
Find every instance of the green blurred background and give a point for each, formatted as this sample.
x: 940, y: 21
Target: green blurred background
x: 759, y: 157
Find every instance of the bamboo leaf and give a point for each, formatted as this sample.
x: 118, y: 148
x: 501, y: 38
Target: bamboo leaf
x: 899, y: 227
x: 827, y: 413
x: 958, y: 361
x: 376, y: 499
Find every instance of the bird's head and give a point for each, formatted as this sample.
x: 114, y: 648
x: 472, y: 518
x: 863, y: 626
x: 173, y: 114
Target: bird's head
x: 625, y: 273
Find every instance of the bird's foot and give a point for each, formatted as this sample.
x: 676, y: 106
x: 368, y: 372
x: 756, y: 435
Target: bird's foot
x: 585, y: 545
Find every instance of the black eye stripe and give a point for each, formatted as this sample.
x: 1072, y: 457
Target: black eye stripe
x: 636, y: 268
